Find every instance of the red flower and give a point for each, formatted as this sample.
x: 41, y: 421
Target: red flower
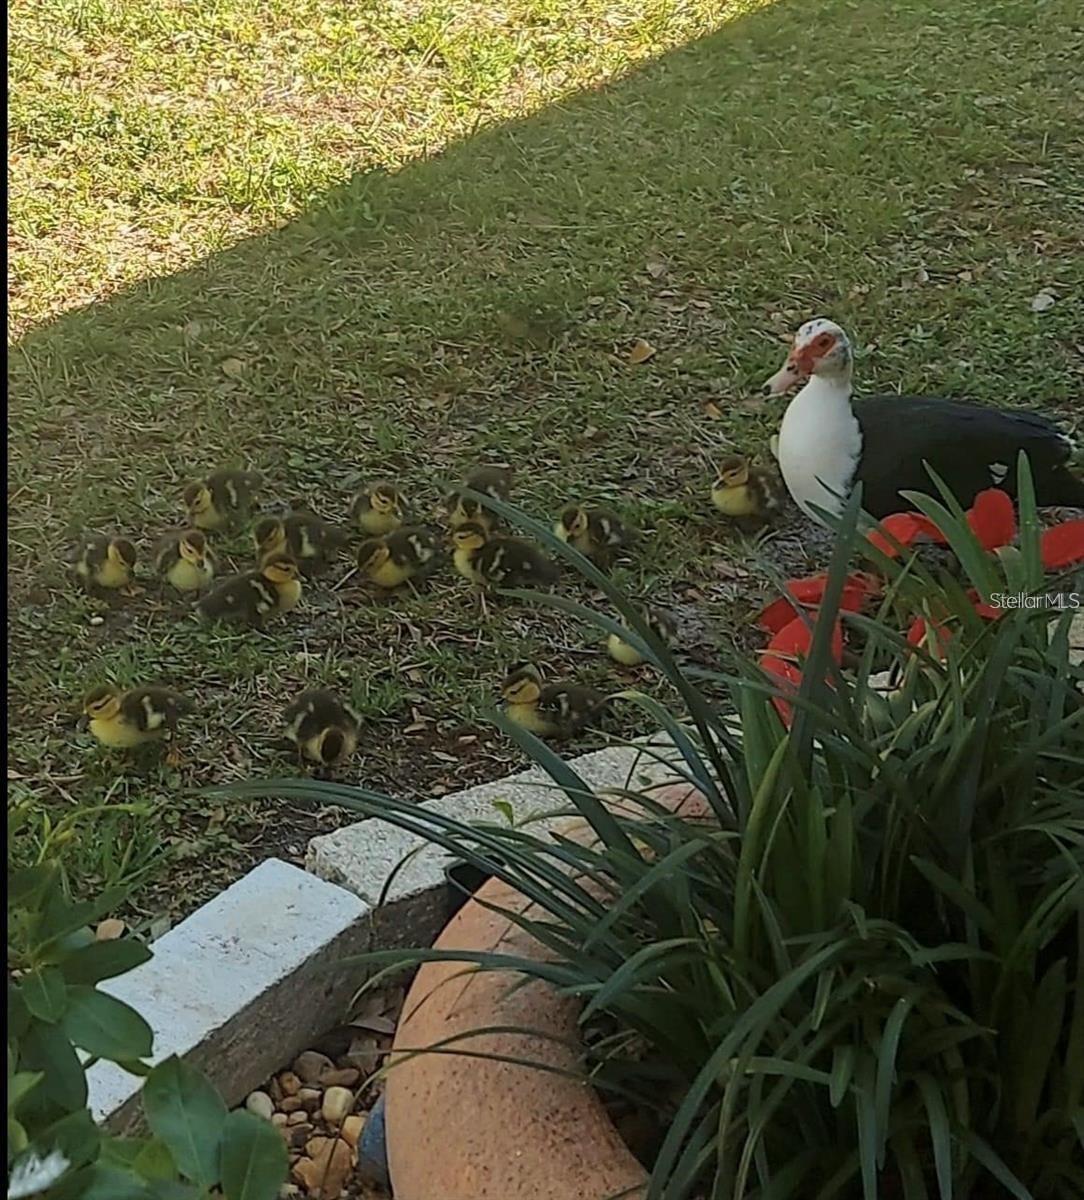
x: 809, y: 593
x: 1062, y: 545
x: 789, y: 643
x: 904, y: 528
x: 992, y: 518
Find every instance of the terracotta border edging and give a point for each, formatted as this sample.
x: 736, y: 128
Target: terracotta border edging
x: 462, y: 1128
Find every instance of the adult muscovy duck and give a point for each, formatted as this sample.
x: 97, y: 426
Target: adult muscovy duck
x: 829, y: 443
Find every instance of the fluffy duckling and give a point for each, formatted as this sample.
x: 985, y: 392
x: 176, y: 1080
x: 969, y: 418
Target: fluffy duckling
x: 555, y: 710
x: 124, y: 720
x: 184, y: 560
x: 597, y: 533
x: 499, y: 561
x: 305, y: 538
x: 490, y: 481
x: 106, y: 564
x: 324, y: 730
x: 747, y: 493
x: 397, y: 558
x: 662, y: 625
x: 214, y: 502
x: 378, y: 509
x: 252, y: 596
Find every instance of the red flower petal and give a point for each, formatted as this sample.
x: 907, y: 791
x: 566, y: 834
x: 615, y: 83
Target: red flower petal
x: 992, y: 518
x: 780, y: 613
x: 983, y: 609
x: 788, y: 678
x: 797, y: 637
x: 905, y: 528
x: 794, y: 638
x: 1063, y: 545
x: 856, y: 588
x: 777, y: 615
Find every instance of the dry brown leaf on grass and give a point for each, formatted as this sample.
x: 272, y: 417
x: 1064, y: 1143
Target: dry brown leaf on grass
x: 711, y: 409
x: 641, y: 351
x: 233, y: 367
x: 110, y: 929
x: 656, y: 268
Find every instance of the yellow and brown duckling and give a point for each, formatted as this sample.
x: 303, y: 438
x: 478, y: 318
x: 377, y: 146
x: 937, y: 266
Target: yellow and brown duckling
x: 597, y: 533
x: 409, y: 554
x: 323, y: 729
x: 465, y: 510
x: 184, y: 560
x: 255, y: 595
x: 221, y: 499
x: 555, y: 710
x: 307, y: 539
x: 499, y: 561
x: 662, y: 625
x: 106, y: 564
x: 748, y: 494
x: 378, y: 508
x: 125, y: 720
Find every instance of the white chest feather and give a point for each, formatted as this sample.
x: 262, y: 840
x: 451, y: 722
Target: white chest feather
x: 820, y: 443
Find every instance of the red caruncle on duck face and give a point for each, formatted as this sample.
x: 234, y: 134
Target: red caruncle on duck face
x: 820, y: 347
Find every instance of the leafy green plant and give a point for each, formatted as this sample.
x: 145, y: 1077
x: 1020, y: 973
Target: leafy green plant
x: 59, y: 1024
x: 866, y: 978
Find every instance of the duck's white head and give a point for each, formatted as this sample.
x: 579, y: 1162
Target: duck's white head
x: 820, y: 348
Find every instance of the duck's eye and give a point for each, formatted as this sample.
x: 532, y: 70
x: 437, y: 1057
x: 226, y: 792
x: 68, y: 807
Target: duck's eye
x: 824, y: 341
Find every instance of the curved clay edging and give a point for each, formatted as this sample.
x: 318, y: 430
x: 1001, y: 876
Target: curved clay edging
x: 462, y: 1128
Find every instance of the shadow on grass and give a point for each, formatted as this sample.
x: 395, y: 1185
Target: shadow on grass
x: 802, y: 158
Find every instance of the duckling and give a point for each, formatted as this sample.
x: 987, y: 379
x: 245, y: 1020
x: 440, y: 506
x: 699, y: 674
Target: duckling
x: 378, y: 509
x: 124, y: 720
x: 555, y: 710
x: 390, y: 561
x: 490, y: 481
x: 185, y: 561
x: 214, y: 502
x: 305, y: 538
x: 253, y: 595
x: 662, y: 625
x: 467, y: 540
x: 106, y: 564
x: 322, y: 728
x: 747, y: 493
x: 500, y: 561
x: 597, y: 533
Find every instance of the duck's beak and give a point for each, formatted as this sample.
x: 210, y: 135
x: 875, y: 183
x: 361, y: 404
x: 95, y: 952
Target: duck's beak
x: 787, y: 377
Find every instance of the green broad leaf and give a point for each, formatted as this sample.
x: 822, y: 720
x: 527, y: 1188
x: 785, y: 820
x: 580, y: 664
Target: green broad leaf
x: 104, y: 960
x: 46, y: 1048
x: 45, y: 994
x: 108, y: 1182
x: 21, y: 1083
x: 253, y: 1157
x: 17, y: 1139
x: 18, y: 1013
x: 61, y: 917
x: 188, y: 1114
x: 28, y: 885
x: 75, y: 1136
x: 154, y: 1160
x: 104, y: 1026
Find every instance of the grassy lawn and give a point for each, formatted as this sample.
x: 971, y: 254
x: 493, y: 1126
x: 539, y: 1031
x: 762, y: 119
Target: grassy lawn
x: 331, y: 242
